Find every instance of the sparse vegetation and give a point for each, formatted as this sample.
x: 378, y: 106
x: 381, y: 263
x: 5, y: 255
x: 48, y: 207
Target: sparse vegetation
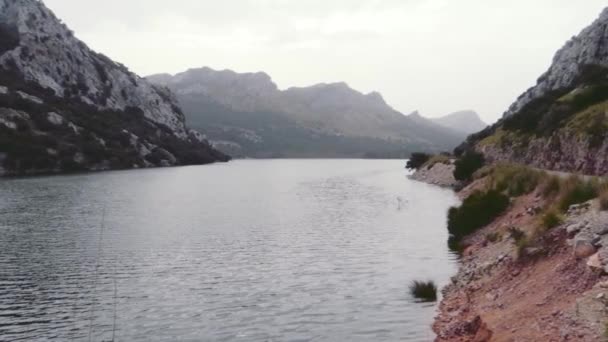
x: 551, y: 219
x: 575, y: 190
x: 478, y: 210
x: 437, y: 159
x: 493, y: 237
x: 425, y: 291
x: 604, y: 200
x: 516, y: 234
x: 551, y: 186
x: 514, y: 180
x: 467, y: 165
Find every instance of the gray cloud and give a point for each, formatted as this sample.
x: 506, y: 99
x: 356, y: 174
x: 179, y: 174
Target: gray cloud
x: 437, y: 56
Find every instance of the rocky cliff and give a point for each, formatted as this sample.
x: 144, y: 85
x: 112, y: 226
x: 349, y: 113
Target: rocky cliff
x: 561, y: 122
x: 64, y: 107
x: 590, y: 47
x: 248, y: 115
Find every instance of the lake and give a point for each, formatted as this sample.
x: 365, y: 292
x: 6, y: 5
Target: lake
x: 251, y: 250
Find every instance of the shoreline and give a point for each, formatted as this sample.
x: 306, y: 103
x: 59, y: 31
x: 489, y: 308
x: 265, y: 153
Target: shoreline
x: 560, y: 295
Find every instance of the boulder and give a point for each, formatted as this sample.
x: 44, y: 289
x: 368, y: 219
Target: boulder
x: 574, y: 228
x: 583, y: 248
x: 595, y: 264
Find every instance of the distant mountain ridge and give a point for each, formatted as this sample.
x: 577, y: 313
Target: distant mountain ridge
x: 466, y: 121
x: 64, y: 107
x: 247, y: 115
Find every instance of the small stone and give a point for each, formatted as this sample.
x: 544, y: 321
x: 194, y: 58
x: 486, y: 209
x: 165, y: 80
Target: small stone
x: 573, y: 228
x: 491, y: 296
x: 600, y: 296
x: 594, y: 262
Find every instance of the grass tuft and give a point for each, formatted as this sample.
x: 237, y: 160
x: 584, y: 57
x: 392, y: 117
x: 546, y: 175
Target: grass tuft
x: 493, y: 237
x: 551, y: 219
x: 425, y: 291
x: 574, y: 190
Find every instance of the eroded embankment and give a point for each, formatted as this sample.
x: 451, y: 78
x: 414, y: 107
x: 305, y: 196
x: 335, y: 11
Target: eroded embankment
x: 537, y: 271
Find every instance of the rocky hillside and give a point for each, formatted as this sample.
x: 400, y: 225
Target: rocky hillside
x: 64, y: 107
x: 247, y: 115
x: 466, y: 121
x: 561, y: 122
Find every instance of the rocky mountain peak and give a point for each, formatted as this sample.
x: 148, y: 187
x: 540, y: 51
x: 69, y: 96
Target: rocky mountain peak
x: 48, y: 53
x: 239, y: 91
x: 64, y: 107
x: 465, y: 121
x: 590, y: 47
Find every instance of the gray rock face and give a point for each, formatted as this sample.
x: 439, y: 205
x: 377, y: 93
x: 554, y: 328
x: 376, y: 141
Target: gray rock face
x: 590, y: 47
x: 50, y: 55
x: 64, y: 107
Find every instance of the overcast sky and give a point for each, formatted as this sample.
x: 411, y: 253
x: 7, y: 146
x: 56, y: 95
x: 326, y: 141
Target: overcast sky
x: 437, y: 56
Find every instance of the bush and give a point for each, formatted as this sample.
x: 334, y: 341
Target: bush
x: 417, y: 160
x: 551, y: 219
x: 467, y: 165
x: 478, y: 210
x: 575, y: 190
x: 424, y: 291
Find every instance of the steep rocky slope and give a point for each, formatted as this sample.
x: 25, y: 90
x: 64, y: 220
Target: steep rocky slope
x: 64, y: 107
x: 248, y: 115
x: 561, y: 122
x: 466, y: 121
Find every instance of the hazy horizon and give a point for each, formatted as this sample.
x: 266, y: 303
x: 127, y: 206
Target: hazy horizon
x: 425, y: 55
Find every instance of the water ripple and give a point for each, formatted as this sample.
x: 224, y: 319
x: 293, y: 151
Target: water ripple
x: 248, y: 251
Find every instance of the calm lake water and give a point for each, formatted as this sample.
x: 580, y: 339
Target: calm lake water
x: 281, y: 250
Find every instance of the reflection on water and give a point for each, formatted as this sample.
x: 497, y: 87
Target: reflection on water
x: 298, y: 250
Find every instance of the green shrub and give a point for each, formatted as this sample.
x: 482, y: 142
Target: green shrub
x: 575, y: 191
x: 478, y: 210
x: 467, y: 165
x: 551, y: 219
x: 417, y: 160
x: 424, y: 291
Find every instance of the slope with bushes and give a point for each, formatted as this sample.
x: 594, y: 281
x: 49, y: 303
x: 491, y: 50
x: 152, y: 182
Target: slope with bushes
x: 532, y: 247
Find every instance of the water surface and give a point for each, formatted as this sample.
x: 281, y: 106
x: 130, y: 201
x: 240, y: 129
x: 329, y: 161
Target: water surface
x: 282, y: 250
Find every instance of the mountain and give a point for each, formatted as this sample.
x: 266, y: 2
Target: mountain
x: 64, y: 107
x: 561, y: 122
x: 247, y: 115
x: 466, y: 121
